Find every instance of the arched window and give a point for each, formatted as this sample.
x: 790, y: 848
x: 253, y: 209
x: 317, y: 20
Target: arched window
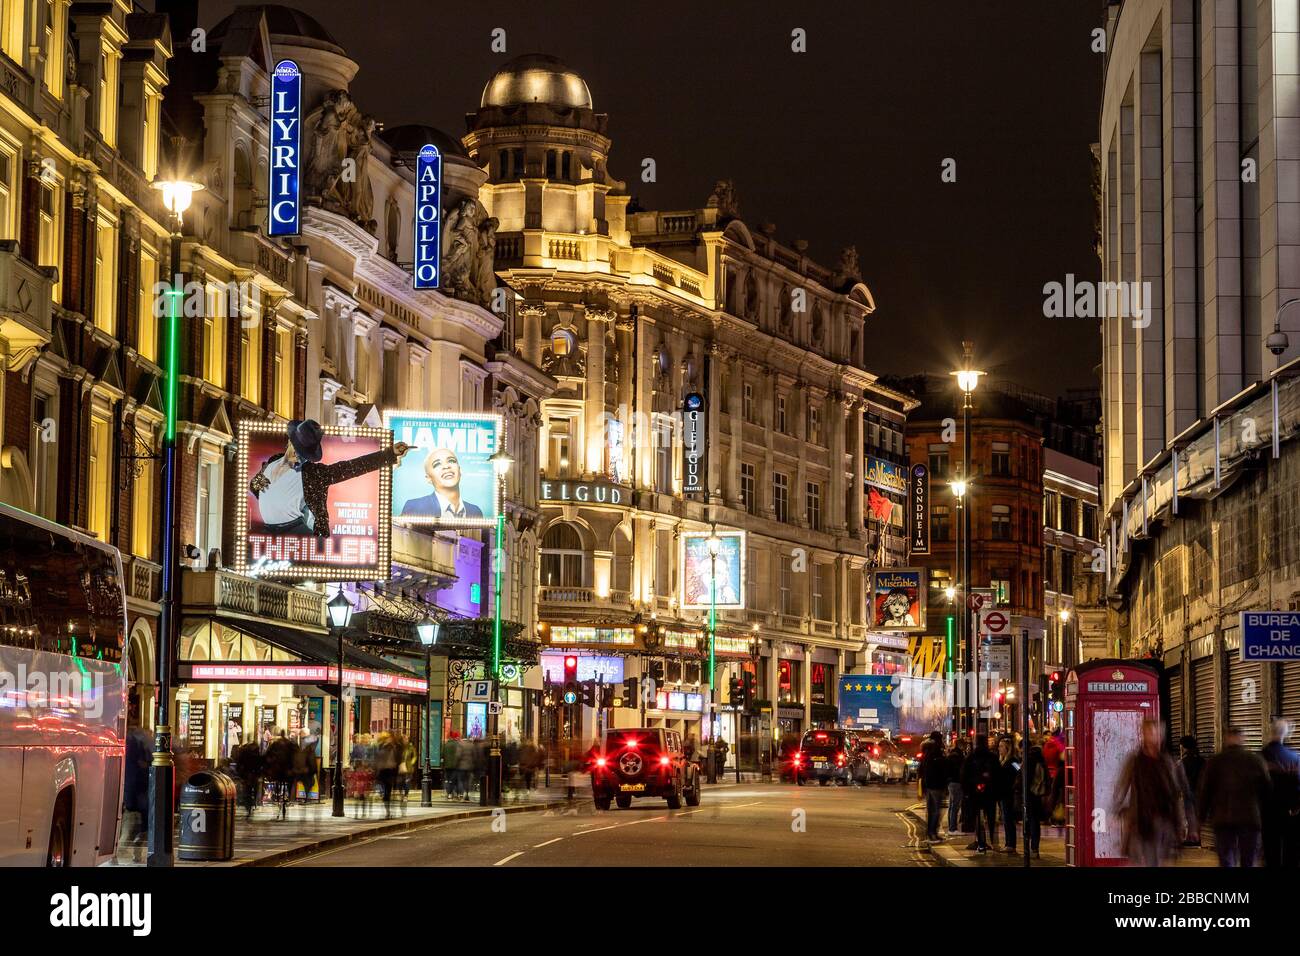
x: 562, y: 557
x: 244, y: 190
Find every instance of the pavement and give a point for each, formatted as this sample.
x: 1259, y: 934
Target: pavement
x: 955, y: 850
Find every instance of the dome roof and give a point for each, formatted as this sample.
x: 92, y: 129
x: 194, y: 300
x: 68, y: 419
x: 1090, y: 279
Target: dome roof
x: 284, y: 23
x: 411, y: 137
x: 536, y: 78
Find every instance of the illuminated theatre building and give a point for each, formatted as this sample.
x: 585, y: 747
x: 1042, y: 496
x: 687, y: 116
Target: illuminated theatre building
x: 630, y: 311
x: 340, y: 337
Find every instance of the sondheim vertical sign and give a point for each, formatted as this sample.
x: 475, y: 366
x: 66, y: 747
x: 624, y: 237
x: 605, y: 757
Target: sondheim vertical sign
x: 918, y: 509
x: 695, y: 444
x: 428, y: 216
x: 286, y: 151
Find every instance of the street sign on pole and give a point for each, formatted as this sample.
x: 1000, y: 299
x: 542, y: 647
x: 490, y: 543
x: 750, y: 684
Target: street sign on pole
x: 994, y: 622
x: 494, y: 707
x: 478, y: 690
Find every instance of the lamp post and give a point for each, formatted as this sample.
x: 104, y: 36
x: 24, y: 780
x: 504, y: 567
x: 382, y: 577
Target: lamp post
x: 340, y: 612
x: 963, y: 591
x: 176, y: 197
x: 501, y: 462
x: 715, y: 545
x: 428, y: 631
x: 967, y: 379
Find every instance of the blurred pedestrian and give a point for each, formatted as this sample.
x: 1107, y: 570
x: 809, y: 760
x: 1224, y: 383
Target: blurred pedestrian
x: 387, y: 760
x: 1234, y: 789
x: 305, y: 766
x: 1190, y: 759
x: 279, y: 760
x: 248, y: 770
x: 1006, y: 787
x: 450, y: 761
x: 978, y: 782
x: 1039, y: 790
x: 135, y: 785
x: 955, y: 759
x: 464, y: 767
x: 1148, y: 801
x: 933, y: 771
x: 1281, y: 818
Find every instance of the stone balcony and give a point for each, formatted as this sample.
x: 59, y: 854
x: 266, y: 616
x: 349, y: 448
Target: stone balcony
x: 238, y: 595
x: 26, y: 306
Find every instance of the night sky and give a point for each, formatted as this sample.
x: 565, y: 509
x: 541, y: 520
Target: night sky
x: 841, y: 145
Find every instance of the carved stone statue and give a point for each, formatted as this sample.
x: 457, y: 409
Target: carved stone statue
x: 469, y: 253
x: 723, y: 198
x: 847, y: 270
x: 751, y: 296
x: 337, y: 174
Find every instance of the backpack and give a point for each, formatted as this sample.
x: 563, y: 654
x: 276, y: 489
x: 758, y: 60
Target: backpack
x: 1038, y: 782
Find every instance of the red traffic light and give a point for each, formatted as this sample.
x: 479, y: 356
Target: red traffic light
x: 572, y: 662
x: 1056, y: 675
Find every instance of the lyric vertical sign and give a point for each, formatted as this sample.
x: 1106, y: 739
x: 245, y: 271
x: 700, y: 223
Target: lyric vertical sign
x: 286, y: 149
x: 428, y: 218
x: 918, y: 509
x: 695, y: 439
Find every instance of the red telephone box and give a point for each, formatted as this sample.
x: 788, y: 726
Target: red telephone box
x: 1106, y: 702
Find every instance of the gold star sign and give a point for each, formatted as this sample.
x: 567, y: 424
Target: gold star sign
x: 859, y: 687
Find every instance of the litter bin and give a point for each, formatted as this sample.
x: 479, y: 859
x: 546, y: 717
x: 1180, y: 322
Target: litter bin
x: 207, y: 808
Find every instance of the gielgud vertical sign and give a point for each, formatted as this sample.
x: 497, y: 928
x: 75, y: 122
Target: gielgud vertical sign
x: 695, y: 443
x: 918, y: 509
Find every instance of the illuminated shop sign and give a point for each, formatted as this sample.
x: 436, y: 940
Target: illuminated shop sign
x: 680, y: 701
x: 682, y: 640
x: 586, y: 492
x: 428, y: 218
x: 564, y: 634
x: 603, y: 667
x: 695, y: 438
x: 302, y: 674
x: 886, y: 475
x: 284, y: 206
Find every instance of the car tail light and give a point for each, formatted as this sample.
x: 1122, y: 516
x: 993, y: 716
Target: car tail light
x: 798, y: 758
x: 875, y: 751
x: 664, y: 761
x: 918, y: 755
x: 631, y: 742
x: 840, y: 758
x: 600, y: 761
x: 821, y: 736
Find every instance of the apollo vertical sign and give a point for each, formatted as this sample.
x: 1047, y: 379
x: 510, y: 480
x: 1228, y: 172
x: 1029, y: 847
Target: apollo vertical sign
x: 428, y: 226
x: 918, y: 509
x: 695, y: 443
x: 286, y: 149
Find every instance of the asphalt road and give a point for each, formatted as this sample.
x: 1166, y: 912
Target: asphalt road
x: 748, y: 825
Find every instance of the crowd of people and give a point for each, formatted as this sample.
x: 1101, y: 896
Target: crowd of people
x: 465, y: 762
x: 1250, y: 801
x: 982, y: 785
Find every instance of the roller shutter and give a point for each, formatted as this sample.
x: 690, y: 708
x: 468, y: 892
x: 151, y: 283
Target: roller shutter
x: 1245, y: 700
x: 1203, y: 703
x: 1289, y: 681
x: 1175, y: 716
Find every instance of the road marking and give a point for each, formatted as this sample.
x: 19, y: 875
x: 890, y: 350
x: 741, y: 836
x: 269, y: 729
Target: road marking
x: 538, y: 846
x: 617, y: 825
x: 509, y: 858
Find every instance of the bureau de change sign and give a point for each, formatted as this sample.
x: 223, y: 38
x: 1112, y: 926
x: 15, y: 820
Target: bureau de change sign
x: 1270, y: 636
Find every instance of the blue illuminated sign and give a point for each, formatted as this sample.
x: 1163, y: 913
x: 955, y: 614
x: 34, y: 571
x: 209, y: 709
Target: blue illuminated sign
x: 286, y: 149
x: 1270, y: 636
x: 428, y: 218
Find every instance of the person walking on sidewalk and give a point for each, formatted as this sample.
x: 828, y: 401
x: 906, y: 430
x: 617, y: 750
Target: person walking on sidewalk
x: 1234, y: 788
x: 1281, y: 831
x: 978, y: 783
x: 1148, y: 801
x: 1039, y: 793
x: 1006, y: 786
x: 1190, y: 759
x: 933, y: 772
x: 955, y: 759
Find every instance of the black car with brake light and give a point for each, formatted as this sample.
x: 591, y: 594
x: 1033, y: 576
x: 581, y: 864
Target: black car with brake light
x: 643, y: 762
x: 824, y: 755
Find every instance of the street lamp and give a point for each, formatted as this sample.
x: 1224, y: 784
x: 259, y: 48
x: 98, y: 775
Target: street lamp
x: 501, y: 462
x: 340, y: 614
x: 967, y: 380
x: 714, y: 544
x: 428, y: 631
x: 177, y: 194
